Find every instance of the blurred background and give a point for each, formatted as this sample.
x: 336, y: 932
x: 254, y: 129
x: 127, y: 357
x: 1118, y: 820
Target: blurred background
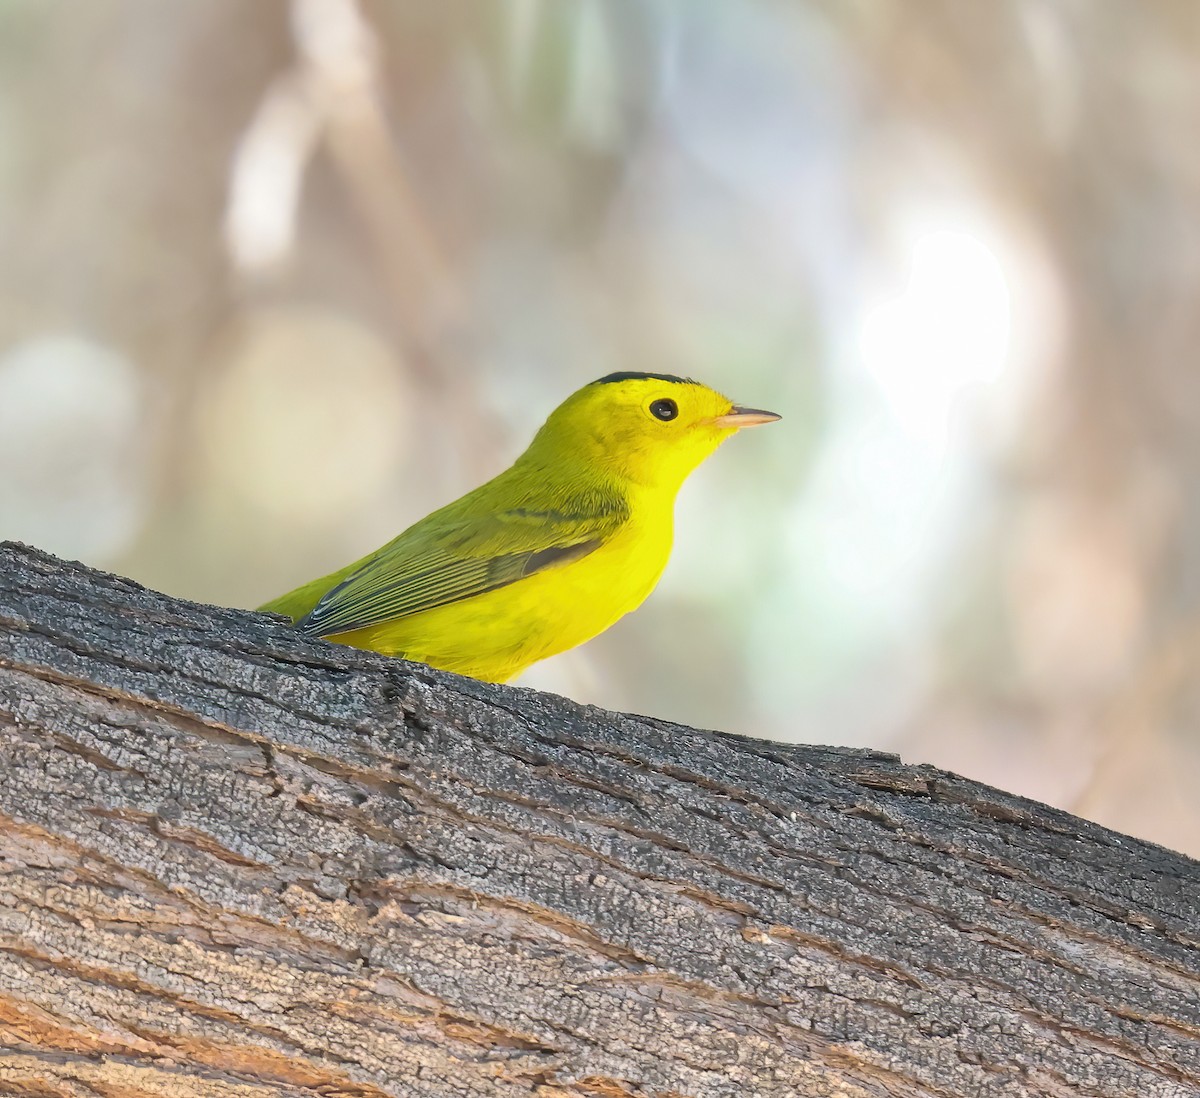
x: 279, y: 278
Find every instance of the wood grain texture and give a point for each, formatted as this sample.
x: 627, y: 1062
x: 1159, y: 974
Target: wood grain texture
x: 236, y: 862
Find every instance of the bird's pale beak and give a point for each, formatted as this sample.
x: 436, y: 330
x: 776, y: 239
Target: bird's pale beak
x: 745, y: 417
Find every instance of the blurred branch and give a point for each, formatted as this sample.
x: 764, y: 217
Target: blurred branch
x: 333, y: 96
x: 340, y: 54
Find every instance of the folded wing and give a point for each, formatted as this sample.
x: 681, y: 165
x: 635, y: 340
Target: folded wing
x: 437, y: 563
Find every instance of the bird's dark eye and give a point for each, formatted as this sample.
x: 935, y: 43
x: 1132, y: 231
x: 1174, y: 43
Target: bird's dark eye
x: 664, y: 409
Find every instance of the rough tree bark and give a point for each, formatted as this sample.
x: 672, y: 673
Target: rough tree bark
x: 235, y: 862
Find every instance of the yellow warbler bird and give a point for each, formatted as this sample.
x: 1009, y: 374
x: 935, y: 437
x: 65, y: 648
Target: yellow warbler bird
x: 546, y: 555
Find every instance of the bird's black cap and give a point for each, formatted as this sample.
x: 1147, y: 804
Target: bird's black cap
x: 633, y: 375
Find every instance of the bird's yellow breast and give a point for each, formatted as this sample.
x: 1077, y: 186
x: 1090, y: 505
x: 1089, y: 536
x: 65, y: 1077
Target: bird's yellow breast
x: 496, y: 635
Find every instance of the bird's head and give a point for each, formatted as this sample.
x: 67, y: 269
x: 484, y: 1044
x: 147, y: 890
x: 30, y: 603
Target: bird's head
x: 650, y: 429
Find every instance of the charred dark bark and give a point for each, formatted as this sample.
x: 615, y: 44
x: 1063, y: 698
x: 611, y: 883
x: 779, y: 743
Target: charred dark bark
x: 237, y: 862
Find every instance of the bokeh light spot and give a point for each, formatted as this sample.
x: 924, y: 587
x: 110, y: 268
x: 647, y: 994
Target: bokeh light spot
x: 947, y: 331
x: 72, y: 457
x: 306, y: 415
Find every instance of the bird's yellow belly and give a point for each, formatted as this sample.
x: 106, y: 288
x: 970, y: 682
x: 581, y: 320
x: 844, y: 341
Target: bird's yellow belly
x: 496, y: 635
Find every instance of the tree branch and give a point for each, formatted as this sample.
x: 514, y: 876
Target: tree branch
x: 237, y: 862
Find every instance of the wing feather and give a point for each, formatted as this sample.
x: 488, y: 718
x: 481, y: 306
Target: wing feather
x: 435, y: 564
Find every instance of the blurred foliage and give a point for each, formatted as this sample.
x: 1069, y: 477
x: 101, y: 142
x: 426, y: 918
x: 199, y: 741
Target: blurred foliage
x: 282, y: 277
